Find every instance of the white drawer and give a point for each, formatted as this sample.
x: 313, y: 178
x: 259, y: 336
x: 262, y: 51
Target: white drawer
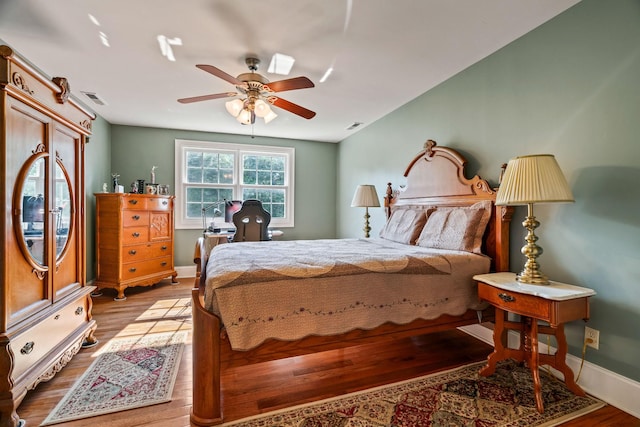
x: 33, y: 344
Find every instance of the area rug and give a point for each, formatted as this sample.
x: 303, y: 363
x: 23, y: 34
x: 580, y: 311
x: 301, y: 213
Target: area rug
x: 459, y: 397
x: 129, y: 373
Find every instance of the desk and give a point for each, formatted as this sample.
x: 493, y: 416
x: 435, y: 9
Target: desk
x: 214, y: 239
x: 555, y: 304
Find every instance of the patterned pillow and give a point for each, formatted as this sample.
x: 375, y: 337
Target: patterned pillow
x: 404, y: 226
x: 457, y: 228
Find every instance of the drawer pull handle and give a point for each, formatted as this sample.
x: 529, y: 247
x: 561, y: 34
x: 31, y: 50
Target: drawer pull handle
x: 133, y: 202
x: 136, y: 234
x: 133, y: 252
x: 27, y: 348
x: 163, y: 263
x: 164, y: 202
x: 132, y: 269
x: 57, y: 317
x: 506, y: 297
x: 136, y: 217
x: 79, y: 311
x: 164, y: 248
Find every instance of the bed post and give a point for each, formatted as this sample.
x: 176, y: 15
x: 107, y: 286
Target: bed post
x: 502, y: 220
x: 206, y: 409
x: 388, y: 198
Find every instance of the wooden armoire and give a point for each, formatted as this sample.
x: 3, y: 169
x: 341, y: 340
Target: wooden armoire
x: 45, y: 305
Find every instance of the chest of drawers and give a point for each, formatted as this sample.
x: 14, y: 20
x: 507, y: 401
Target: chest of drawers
x: 134, y: 240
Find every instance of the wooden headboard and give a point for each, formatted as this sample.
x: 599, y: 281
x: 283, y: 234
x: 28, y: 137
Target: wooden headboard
x: 435, y: 177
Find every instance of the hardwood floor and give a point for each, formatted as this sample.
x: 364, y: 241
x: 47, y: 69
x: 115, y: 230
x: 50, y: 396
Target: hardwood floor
x: 266, y: 386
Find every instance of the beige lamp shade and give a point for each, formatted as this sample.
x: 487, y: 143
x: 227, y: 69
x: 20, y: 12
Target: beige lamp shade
x: 533, y: 179
x: 365, y: 196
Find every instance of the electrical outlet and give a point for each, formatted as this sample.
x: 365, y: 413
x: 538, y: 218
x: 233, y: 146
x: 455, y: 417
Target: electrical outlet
x: 593, y: 335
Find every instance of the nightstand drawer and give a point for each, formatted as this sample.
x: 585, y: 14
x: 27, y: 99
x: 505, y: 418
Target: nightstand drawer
x: 515, y: 302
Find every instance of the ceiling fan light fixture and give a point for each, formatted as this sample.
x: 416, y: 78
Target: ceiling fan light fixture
x: 244, y: 117
x: 234, y: 107
x: 270, y: 116
x: 261, y: 108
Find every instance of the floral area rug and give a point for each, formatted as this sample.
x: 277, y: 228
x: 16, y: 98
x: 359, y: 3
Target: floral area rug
x: 459, y: 397
x: 128, y: 373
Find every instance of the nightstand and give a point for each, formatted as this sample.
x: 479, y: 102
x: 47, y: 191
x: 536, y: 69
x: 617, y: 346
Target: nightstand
x: 554, y: 304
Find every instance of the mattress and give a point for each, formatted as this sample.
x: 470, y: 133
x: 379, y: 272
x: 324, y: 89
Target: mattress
x: 291, y: 289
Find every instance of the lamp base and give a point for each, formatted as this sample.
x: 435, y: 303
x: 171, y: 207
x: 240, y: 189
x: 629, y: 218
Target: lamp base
x: 366, y: 228
x: 531, y: 274
x: 532, y: 278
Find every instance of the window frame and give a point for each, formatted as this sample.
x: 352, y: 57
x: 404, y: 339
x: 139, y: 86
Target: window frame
x: 182, y: 146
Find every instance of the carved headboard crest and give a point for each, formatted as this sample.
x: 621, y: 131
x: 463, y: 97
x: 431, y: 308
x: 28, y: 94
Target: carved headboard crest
x: 428, y: 147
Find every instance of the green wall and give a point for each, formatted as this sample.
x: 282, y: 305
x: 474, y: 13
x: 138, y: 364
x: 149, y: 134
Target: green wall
x: 97, y: 157
x: 570, y: 88
x: 134, y: 150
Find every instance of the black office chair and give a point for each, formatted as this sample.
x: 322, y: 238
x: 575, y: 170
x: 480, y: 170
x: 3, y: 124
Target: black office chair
x: 251, y: 222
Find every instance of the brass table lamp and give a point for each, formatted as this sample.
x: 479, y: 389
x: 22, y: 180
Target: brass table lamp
x: 366, y: 197
x: 528, y: 180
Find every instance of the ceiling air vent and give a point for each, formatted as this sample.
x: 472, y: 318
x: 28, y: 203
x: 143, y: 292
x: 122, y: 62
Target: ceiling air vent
x: 354, y: 125
x: 95, y: 98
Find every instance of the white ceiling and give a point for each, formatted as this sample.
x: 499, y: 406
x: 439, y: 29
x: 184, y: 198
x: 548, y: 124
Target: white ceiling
x: 384, y: 53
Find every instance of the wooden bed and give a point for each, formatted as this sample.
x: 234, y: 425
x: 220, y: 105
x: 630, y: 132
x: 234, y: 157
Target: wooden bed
x: 435, y: 177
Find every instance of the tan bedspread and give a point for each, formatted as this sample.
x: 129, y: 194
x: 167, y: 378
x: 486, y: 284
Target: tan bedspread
x: 291, y: 289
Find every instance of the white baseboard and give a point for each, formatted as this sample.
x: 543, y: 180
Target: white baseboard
x: 616, y: 390
x: 186, y: 271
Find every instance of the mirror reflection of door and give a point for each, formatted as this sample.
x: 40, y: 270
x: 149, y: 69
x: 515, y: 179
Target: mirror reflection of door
x: 33, y: 210
x: 62, y: 209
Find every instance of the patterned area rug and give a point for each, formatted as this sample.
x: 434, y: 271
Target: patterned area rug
x: 459, y: 397
x: 128, y: 373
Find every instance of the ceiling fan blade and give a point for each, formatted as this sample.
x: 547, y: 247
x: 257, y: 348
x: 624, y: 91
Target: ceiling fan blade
x: 290, y: 84
x: 219, y: 73
x: 291, y: 107
x: 206, y: 97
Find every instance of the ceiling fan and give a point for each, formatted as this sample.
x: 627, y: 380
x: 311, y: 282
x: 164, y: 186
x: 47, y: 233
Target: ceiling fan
x: 257, y: 93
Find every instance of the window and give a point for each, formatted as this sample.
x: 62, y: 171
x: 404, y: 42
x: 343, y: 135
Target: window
x: 208, y: 173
